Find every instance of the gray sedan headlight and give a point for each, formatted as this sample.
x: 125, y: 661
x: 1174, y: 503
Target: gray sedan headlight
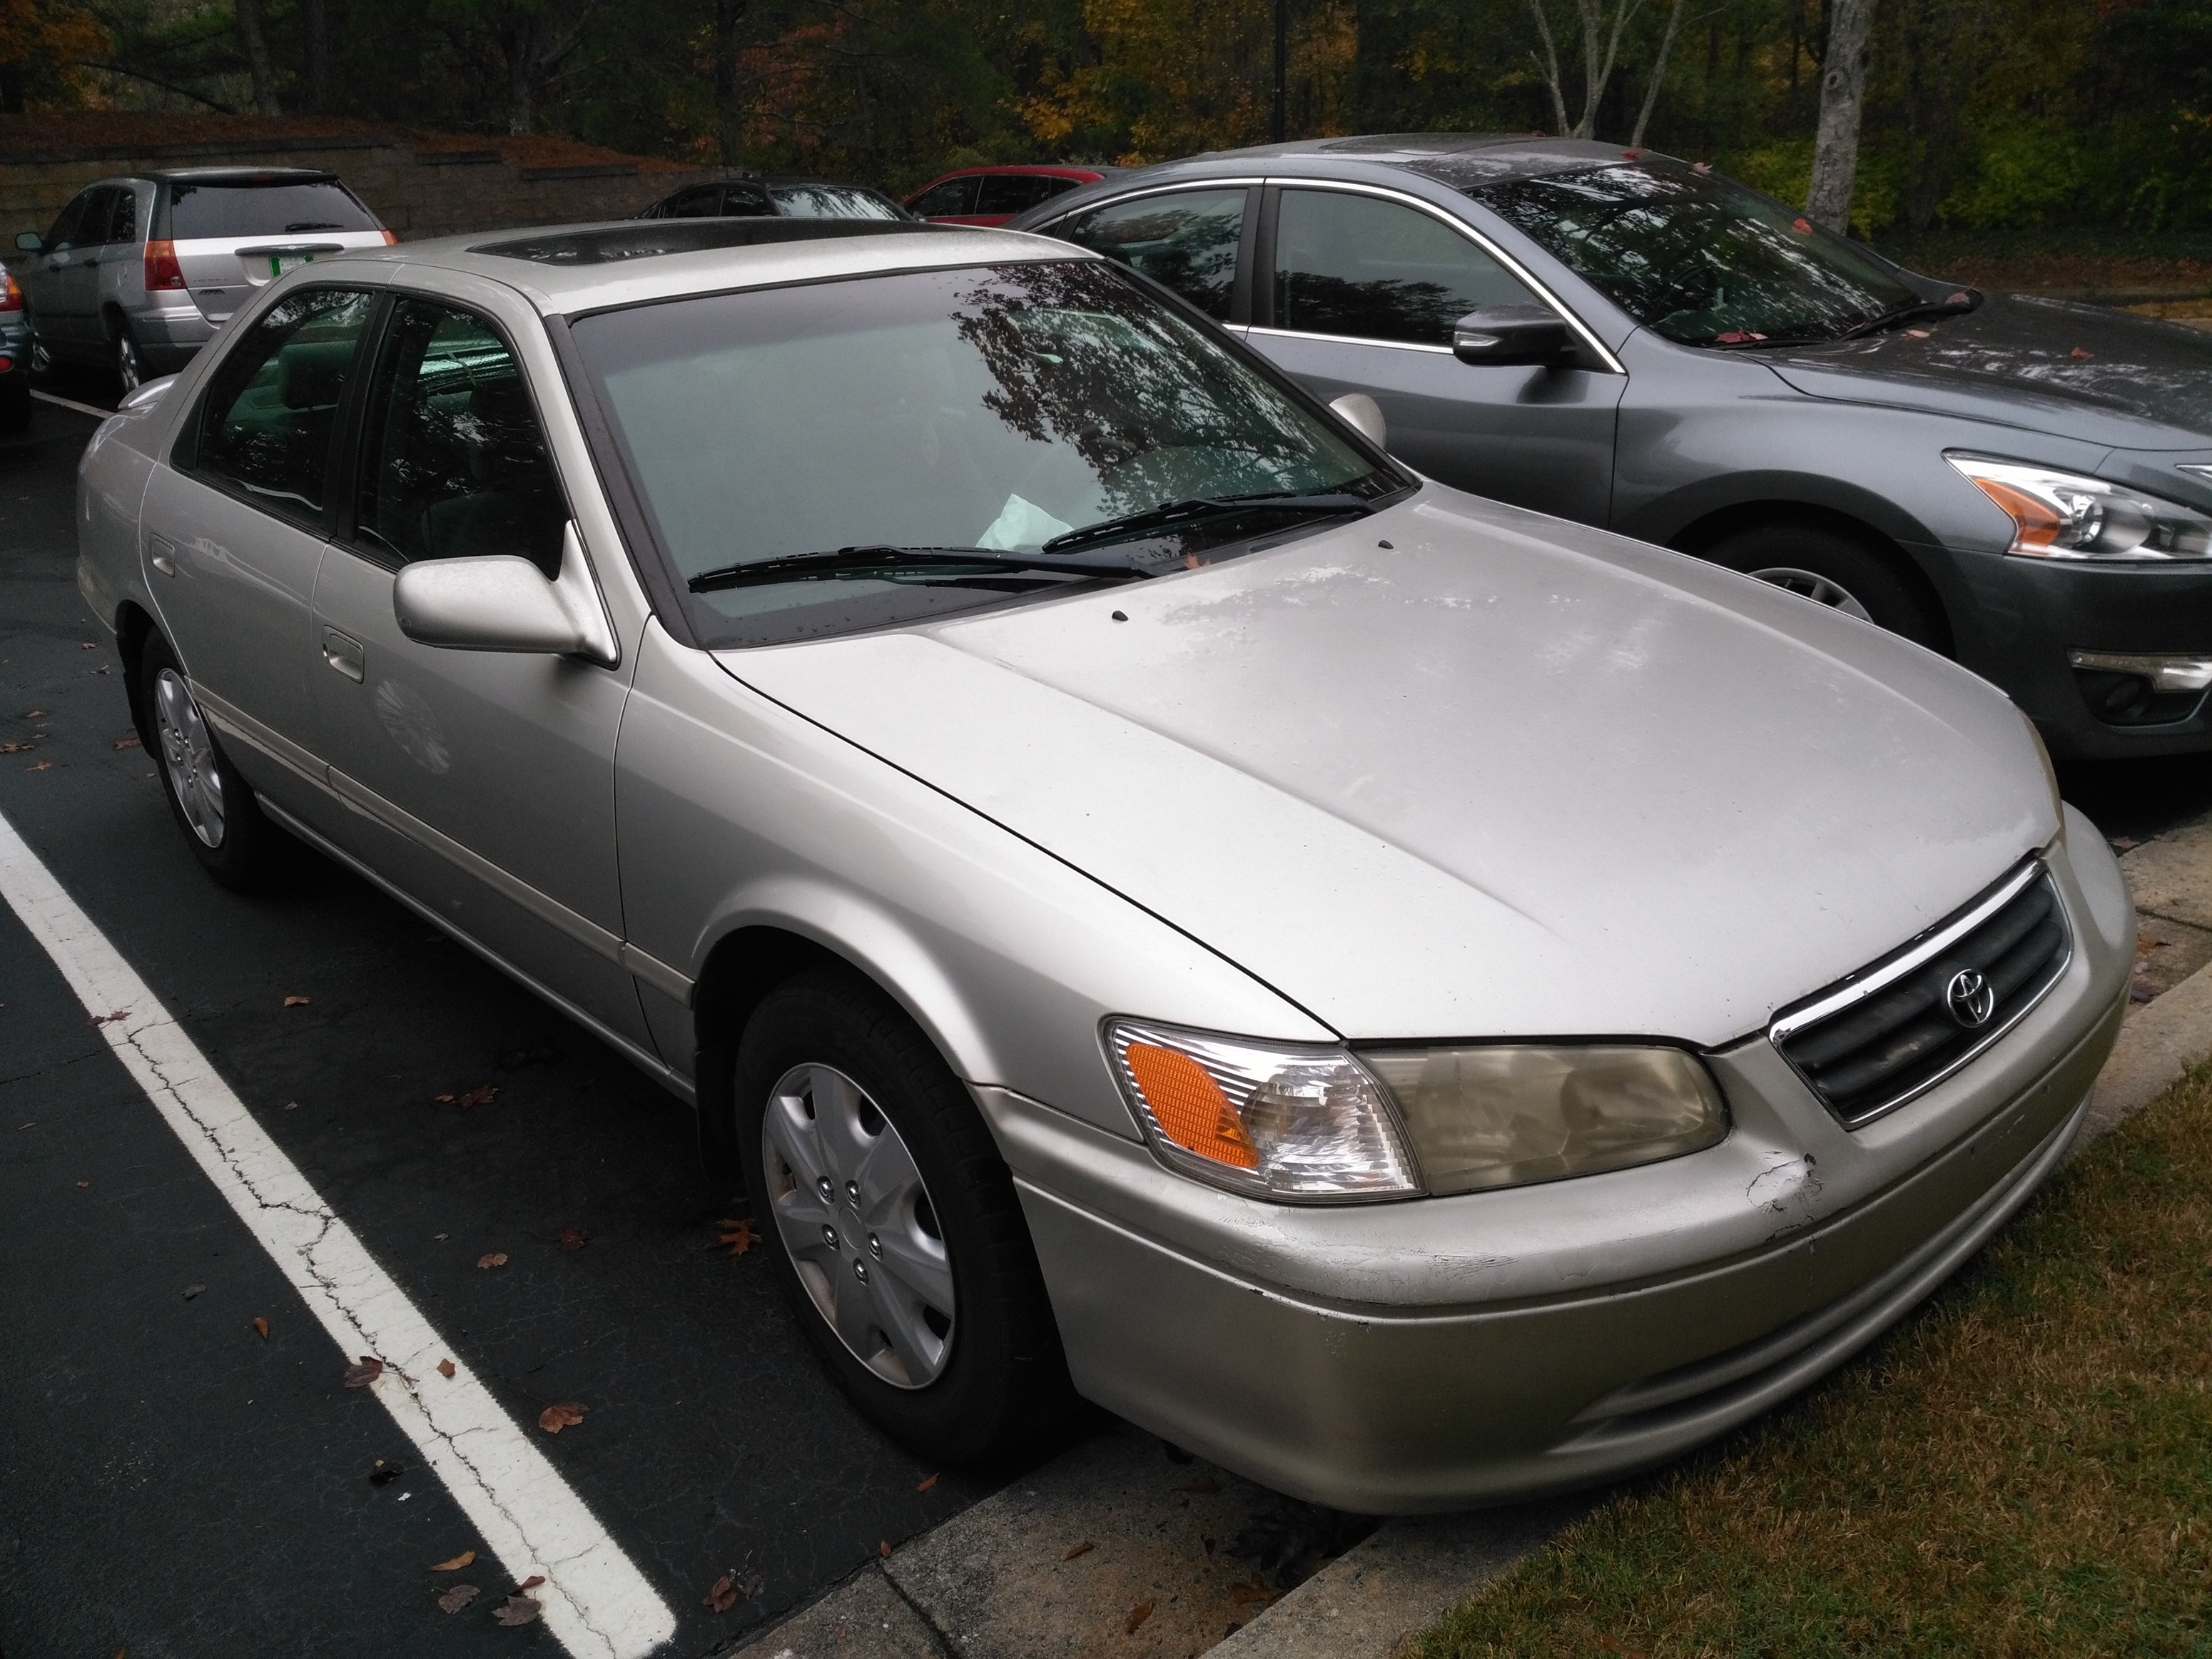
x: 1322, y: 1125
x: 2065, y: 515
x: 1502, y: 1116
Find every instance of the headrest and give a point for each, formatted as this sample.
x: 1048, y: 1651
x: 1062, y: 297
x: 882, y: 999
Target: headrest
x: 310, y: 373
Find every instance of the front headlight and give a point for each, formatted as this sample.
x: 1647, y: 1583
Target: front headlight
x: 1318, y: 1124
x: 1503, y: 1116
x: 2063, y: 515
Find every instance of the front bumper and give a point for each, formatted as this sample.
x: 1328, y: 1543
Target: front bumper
x: 1443, y: 1352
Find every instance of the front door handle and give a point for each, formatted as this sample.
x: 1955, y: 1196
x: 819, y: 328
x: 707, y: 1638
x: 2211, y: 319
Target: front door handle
x: 342, y: 652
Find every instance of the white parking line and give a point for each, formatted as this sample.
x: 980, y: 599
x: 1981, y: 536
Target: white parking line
x: 595, y: 1601
x: 70, y: 402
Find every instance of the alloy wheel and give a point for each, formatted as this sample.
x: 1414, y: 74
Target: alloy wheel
x: 126, y: 362
x: 855, y: 1217
x: 42, y: 361
x: 188, y: 757
x: 1811, y: 585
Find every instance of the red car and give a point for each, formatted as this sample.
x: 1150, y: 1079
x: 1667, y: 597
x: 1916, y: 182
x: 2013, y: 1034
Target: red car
x: 991, y: 196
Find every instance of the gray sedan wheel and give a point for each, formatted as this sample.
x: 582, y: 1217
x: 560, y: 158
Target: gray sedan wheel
x: 892, y: 1221
x: 1830, y: 565
x: 1812, y: 585
x: 216, y: 808
x: 128, y: 370
x: 196, y: 781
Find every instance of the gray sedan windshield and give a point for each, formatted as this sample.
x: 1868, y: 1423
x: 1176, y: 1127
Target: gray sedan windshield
x: 989, y: 409
x: 1700, y: 258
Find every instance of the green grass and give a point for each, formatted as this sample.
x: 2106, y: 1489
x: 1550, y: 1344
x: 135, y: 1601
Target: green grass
x: 2023, y: 1469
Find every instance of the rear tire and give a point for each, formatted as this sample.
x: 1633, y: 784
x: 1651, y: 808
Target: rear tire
x: 923, y: 1299
x: 129, y: 367
x: 1832, y: 568
x: 223, y: 822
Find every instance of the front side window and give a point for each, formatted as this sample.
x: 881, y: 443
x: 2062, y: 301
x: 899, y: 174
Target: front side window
x: 454, y: 463
x: 1187, y: 238
x: 205, y: 208
x: 69, y: 231
x: 1700, y: 258
x: 701, y: 202
x: 952, y: 199
x: 272, y: 403
x: 1372, y: 269
x: 990, y: 410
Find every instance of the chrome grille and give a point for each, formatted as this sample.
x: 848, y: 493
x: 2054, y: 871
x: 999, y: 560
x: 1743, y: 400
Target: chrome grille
x: 1879, y: 1038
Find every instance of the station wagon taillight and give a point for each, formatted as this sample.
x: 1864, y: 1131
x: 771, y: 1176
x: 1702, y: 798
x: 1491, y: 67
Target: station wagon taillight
x: 11, y: 293
x: 162, y: 269
x: 391, y: 238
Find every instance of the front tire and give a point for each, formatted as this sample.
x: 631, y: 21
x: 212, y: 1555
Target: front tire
x: 215, y: 807
x: 1831, y: 567
x: 893, y: 1223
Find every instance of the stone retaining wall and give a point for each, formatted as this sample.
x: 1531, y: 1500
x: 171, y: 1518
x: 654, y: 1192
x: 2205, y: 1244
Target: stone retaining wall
x: 418, y: 183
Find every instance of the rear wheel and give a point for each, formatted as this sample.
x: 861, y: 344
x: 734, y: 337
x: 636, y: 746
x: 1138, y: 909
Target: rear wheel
x: 129, y: 371
x: 216, y: 808
x: 1834, y: 569
x: 893, y: 1222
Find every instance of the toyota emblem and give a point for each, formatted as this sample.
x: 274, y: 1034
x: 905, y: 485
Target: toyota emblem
x: 1970, y: 1000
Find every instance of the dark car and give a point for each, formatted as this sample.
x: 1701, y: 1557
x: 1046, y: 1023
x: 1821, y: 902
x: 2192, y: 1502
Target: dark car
x: 15, y: 356
x: 1630, y: 340
x: 775, y: 199
x: 991, y: 196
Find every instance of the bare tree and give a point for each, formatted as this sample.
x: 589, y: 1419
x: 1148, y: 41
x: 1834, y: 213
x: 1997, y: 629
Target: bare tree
x: 1843, y: 94
x: 1599, y: 39
x: 257, y: 57
x: 1658, y: 76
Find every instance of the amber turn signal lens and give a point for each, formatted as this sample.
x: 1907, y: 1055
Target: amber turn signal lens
x: 1189, y: 1106
x: 2035, y: 525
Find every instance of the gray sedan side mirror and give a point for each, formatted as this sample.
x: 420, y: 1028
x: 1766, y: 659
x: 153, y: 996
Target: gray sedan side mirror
x: 500, y: 602
x: 1365, y: 415
x: 1510, y: 334
x: 29, y: 241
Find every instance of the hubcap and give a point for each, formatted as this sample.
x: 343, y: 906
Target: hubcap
x: 188, y: 757
x: 1821, y: 590
x: 852, y: 1211
x: 126, y: 363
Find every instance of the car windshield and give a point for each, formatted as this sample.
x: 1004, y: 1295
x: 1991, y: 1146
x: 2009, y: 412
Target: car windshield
x: 832, y: 202
x: 991, y: 409
x: 250, y: 208
x: 1702, y: 259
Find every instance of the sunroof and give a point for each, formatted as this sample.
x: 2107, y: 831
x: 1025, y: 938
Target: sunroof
x: 648, y: 238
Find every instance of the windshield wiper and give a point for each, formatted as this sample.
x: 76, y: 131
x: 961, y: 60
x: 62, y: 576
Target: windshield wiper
x: 878, y: 557
x: 1965, y: 299
x: 1168, y: 514
x: 314, y: 224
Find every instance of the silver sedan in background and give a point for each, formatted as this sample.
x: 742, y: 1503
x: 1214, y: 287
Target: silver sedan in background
x: 1419, y: 1001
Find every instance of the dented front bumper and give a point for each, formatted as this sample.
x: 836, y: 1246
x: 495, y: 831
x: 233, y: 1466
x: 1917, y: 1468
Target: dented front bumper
x: 1443, y: 1352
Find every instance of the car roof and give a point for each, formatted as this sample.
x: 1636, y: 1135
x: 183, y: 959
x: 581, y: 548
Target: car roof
x: 1034, y: 169
x: 566, y: 269
x: 1459, y: 160
x: 239, y: 175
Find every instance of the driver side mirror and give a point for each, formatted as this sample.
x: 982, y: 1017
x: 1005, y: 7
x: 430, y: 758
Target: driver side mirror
x: 1510, y: 335
x: 29, y: 241
x: 502, y: 602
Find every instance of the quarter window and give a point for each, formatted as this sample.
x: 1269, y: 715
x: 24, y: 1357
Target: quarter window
x: 122, y: 217
x: 1187, y: 238
x: 272, y: 403
x: 1372, y: 269
x: 456, y: 463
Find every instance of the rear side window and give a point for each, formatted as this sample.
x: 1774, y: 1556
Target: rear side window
x: 122, y: 217
x: 456, y: 463
x: 272, y: 403
x: 1186, y: 239
x: 1373, y: 270
x: 950, y: 200
x: 202, y: 210
x: 1016, y: 193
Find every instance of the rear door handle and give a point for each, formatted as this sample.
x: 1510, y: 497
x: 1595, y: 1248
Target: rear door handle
x: 161, y: 555
x: 342, y: 652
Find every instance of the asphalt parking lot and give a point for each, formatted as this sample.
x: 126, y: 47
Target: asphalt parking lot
x: 177, y: 1480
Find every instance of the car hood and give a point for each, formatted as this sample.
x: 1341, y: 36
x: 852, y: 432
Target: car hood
x: 2084, y: 372
x: 1462, y: 770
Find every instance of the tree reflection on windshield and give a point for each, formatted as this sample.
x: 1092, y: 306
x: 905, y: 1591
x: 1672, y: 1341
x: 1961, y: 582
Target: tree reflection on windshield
x: 1700, y: 258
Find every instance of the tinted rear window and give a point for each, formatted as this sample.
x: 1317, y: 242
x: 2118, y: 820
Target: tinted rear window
x: 290, y: 209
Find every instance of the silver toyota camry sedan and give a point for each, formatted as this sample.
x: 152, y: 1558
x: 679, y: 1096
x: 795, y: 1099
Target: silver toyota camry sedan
x: 1422, y: 1002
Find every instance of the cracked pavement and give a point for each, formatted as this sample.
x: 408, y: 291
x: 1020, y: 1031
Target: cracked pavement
x: 174, y: 1484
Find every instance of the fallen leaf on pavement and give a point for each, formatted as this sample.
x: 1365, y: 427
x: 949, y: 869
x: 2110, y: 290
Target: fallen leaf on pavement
x: 34, y: 713
x: 191, y: 1291
x: 1084, y: 1548
x: 261, y: 1328
x: 44, y: 766
x: 446, y: 1099
x: 110, y: 1020
x: 1243, y: 1594
x: 295, y: 1002
x: 361, y: 1376
x: 571, y: 1238
x: 927, y: 1483
x: 444, y: 1368
x: 531, y: 1583
x: 1204, y: 1483
x: 1137, y: 1614
x: 16, y: 748
x: 456, y: 1563
x: 516, y: 1610
x: 740, y: 1236
x: 492, y: 1259
x: 457, y: 1597
x: 126, y: 743
x: 86, y: 645
x: 884, y: 1548
x: 564, y: 1415
x: 381, y: 1473
x: 85, y: 1183
x: 722, y: 1595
